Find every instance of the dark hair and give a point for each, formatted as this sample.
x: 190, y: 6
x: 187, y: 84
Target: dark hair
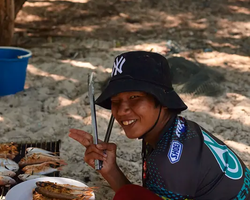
x: 157, y: 102
x: 174, y: 111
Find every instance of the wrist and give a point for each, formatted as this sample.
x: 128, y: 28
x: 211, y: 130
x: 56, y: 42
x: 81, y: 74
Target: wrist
x: 111, y: 171
x: 115, y: 178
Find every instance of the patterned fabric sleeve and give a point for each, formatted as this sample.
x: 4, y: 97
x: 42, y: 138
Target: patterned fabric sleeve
x: 172, y: 168
x: 190, y: 163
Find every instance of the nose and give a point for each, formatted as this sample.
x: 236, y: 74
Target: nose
x: 123, y: 108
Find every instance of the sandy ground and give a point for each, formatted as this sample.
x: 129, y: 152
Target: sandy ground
x: 55, y: 96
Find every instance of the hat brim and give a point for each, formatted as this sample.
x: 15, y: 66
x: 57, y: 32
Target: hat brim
x: 169, y: 99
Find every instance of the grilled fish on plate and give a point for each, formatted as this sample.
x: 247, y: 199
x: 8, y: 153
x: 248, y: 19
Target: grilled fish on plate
x: 63, y: 191
x: 51, y: 188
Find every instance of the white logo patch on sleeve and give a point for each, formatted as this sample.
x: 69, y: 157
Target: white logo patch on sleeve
x: 175, y: 150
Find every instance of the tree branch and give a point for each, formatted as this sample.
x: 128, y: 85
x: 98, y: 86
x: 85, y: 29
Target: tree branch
x: 6, y: 22
x: 18, y: 6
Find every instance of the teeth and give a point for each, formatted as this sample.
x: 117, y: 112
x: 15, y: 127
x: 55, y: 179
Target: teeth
x: 128, y: 122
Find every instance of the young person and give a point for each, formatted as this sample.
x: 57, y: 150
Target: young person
x: 181, y: 160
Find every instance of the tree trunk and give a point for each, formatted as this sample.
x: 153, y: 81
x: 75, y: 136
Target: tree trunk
x: 7, y: 18
x: 18, y: 6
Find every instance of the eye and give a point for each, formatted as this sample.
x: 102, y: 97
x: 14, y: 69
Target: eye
x: 114, y: 100
x: 134, y: 97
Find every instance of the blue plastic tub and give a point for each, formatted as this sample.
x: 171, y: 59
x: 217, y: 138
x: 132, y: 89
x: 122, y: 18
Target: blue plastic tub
x: 13, y: 66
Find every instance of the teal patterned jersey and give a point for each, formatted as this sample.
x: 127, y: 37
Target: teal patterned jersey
x: 188, y: 162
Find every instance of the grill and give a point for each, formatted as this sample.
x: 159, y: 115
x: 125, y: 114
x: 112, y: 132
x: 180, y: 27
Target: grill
x: 53, y: 146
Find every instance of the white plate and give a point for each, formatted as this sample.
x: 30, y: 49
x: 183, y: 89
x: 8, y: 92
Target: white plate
x: 23, y: 191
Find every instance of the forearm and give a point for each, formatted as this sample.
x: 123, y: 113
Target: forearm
x: 116, y: 179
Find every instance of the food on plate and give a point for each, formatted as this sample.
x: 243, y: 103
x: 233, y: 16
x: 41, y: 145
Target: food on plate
x: 53, y: 194
x: 73, y: 187
x: 37, y: 196
x: 62, y: 191
x: 8, y: 150
x: 9, y: 164
x: 6, y: 180
x: 31, y: 150
x: 42, y: 168
x: 4, y: 171
x: 37, y: 158
x: 26, y: 177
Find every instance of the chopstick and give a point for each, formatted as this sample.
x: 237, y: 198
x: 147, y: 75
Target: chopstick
x: 109, y: 129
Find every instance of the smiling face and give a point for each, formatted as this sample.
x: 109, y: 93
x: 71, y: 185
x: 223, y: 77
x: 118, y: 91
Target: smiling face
x: 136, y: 112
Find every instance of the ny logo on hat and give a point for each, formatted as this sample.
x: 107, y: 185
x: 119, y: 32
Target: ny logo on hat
x: 118, y: 66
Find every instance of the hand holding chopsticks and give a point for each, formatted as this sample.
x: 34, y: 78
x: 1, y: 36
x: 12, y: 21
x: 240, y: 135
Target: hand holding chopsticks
x: 93, y: 115
x: 98, y: 164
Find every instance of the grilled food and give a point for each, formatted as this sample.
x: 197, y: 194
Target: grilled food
x: 37, y: 158
x: 9, y: 164
x: 8, y: 150
x: 26, y: 177
x: 31, y: 150
x: 4, y: 171
x: 42, y: 168
x: 6, y: 180
x: 37, y: 196
x: 60, y: 191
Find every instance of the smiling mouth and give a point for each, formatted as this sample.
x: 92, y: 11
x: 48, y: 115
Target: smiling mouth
x: 126, y: 123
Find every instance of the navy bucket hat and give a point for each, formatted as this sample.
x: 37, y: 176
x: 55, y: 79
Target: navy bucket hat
x: 145, y: 72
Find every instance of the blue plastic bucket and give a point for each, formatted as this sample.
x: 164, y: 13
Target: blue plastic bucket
x: 13, y: 66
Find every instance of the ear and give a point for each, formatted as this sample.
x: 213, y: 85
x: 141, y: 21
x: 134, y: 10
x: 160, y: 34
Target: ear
x: 164, y: 108
x: 166, y: 112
